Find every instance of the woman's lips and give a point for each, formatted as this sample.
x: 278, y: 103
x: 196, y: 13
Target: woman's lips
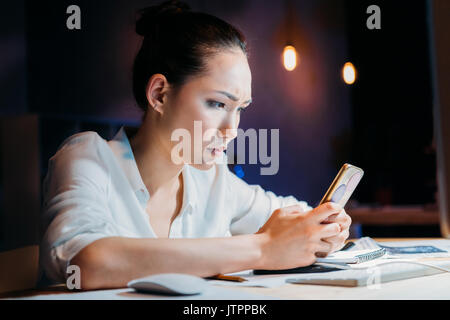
x: 217, y: 151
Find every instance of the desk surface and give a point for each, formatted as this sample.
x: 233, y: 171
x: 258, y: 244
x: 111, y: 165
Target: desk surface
x: 434, y: 287
x: 428, y: 287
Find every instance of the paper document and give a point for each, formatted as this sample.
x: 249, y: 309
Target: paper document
x: 407, y: 249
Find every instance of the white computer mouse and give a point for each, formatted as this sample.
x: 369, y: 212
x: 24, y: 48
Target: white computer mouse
x: 170, y: 283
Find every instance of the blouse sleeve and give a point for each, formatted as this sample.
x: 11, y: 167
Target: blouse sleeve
x: 75, y: 210
x: 254, y: 205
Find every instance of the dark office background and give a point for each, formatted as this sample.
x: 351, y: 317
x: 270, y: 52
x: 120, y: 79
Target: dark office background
x: 77, y: 80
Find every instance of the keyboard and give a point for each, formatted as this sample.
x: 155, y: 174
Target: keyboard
x: 370, y: 276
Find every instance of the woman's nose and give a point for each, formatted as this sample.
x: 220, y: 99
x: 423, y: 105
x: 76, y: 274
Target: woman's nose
x: 228, y: 130
x: 228, y: 134
x: 229, y: 126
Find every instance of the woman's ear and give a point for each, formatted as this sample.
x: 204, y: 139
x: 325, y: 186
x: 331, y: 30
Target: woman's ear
x: 157, y: 87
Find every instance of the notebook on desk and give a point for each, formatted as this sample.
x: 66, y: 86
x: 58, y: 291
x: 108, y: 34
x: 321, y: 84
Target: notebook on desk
x: 398, y: 264
x: 356, y: 256
x: 328, y: 262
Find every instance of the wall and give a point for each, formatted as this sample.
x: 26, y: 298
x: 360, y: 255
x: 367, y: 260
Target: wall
x: 88, y: 72
x: 13, y: 76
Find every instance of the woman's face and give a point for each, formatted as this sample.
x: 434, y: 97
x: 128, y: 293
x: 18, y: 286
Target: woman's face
x: 208, y: 108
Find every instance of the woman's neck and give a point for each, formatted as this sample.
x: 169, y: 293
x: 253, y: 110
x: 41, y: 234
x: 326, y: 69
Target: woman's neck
x: 159, y: 173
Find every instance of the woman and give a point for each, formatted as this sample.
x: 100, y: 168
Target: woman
x: 124, y: 208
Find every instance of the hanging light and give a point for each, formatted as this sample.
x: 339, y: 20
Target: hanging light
x: 289, y: 57
x: 349, y: 73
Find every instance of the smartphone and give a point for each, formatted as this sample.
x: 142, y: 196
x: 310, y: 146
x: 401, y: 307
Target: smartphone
x: 343, y: 185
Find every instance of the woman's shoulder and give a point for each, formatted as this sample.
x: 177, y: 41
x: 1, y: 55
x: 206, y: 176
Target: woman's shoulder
x: 80, y: 157
x: 86, y: 143
x: 81, y: 151
x: 81, y: 139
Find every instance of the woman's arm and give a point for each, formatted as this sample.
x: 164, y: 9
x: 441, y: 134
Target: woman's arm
x: 290, y: 238
x: 114, y: 261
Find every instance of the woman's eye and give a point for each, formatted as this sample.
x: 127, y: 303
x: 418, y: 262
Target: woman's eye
x: 216, y: 104
x: 241, y: 109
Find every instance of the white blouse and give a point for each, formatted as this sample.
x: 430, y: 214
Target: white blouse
x: 93, y: 189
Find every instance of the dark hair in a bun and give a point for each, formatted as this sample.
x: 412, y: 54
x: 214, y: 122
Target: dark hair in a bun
x: 177, y: 42
x: 151, y: 15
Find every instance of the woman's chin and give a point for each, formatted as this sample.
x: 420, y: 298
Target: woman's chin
x: 204, y: 166
x: 208, y: 161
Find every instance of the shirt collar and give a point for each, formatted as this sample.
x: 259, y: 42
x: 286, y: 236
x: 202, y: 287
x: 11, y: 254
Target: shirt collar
x: 121, y: 148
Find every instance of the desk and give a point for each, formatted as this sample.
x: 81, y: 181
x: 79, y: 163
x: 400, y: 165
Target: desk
x: 429, y: 287
x: 434, y: 287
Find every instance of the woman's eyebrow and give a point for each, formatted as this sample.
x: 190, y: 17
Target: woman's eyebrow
x: 231, y: 97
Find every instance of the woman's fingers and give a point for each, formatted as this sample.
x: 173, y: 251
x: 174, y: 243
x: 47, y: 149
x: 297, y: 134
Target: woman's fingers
x: 329, y: 230
x: 338, y: 241
x: 325, y: 210
x: 325, y: 247
x: 342, y: 218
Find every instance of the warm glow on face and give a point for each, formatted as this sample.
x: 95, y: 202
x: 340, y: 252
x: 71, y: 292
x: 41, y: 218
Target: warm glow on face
x: 349, y: 73
x: 289, y: 58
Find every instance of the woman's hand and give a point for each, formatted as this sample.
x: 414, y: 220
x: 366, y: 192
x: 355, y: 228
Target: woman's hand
x: 291, y: 238
x: 344, y: 221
